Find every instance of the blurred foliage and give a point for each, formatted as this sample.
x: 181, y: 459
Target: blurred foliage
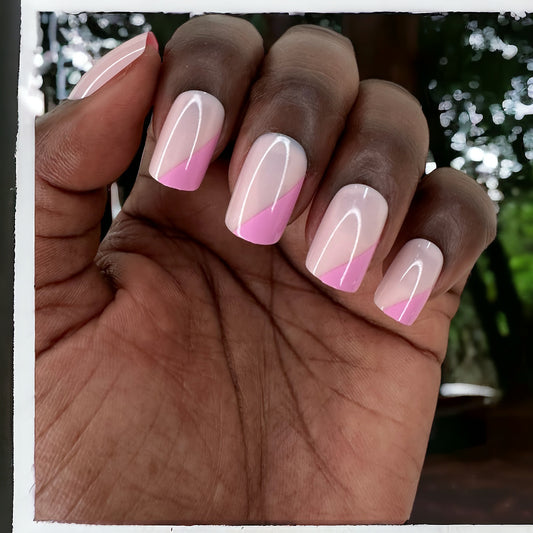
x: 476, y: 85
x: 479, y: 75
x: 516, y: 234
x: 467, y: 358
x: 70, y: 43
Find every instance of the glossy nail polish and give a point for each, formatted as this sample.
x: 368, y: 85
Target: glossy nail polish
x: 187, y: 140
x: 267, y: 189
x: 111, y: 64
x: 408, y: 282
x: 347, y: 237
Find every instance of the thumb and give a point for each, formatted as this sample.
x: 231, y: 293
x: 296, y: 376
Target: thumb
x: 90, y: 139
x: 81, y: 146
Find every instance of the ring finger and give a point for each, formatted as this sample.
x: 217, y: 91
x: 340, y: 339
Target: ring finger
x: 364, y: 198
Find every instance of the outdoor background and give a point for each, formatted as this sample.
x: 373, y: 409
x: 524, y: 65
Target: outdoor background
x: 473, y: 74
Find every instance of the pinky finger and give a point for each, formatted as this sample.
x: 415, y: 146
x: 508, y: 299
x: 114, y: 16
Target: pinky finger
x: 450, y: 222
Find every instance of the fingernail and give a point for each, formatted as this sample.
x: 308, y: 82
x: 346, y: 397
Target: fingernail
x: 111, y: 64
x: 187, y: 141
x: 408, y: 282
x: 347, y: 237
x: 267, y: 189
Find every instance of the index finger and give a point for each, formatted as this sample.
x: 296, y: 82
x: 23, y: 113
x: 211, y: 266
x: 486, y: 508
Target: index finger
x: 196, y: 107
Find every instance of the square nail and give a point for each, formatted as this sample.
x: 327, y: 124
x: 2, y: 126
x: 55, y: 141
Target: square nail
x: 347, y: 237
x: 409, y: 280
x: 187, y: 140
x: 267, y: 189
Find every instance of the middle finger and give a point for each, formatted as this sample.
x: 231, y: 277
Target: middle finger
x: 296, y: 113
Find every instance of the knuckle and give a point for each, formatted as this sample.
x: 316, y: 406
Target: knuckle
x: 386, y: 147
x: 377, y: 108
x: 60, y: 153
x: 478, y: 202
x: 319, y: 32
x: 204, y: 56
x: 220, y: 23
x: 203, y: 48
x: 296, y: 89
x: 317, y: 49
x: 371, y: 163
x: 381, y: 169
x: 386, y: 85
x: 466, y: 203
x: 218, y: 37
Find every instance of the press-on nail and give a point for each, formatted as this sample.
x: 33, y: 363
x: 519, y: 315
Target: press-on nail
x: 409, y: 281
x: 187, y: 140
x: 267, y: 189
x: 111, y: 64
x: 347, y: 237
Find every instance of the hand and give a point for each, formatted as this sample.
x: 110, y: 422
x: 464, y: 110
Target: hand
x: 185, y: 375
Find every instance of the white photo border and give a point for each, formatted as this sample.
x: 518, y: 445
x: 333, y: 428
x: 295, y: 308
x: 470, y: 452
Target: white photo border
x: 29, y: 106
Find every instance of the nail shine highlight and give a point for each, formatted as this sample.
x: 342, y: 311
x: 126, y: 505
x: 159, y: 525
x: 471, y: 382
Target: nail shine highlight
x: 108, y: 66
x: 267, y: 189
x: 347, y: 237
x: 408, y: 282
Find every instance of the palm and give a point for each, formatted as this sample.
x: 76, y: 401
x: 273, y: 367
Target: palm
x: 221, y: 383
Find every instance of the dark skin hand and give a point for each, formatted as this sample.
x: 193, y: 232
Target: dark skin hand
x: 186, y: 376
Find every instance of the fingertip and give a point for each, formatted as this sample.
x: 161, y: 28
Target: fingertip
x: 410, y: 280
x: 187, y: 141
x: 347, y: 237
x: 113, y: 65
x: 450, y: 222
x: 91, y: 138
x: 151, y: 41
x: 267, y: 188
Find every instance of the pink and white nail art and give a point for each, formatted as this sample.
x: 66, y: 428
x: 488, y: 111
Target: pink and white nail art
x: 347, y: 237
x: 267, y: 189
x: 187, y: 140
x: 111, y: 64
x: 408, y: 282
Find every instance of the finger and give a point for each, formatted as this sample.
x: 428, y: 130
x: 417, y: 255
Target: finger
x: 208, y: 66
x: 81, y: 147
x: 450, y: 222
x: 361, y: 204
x: 296, y: 113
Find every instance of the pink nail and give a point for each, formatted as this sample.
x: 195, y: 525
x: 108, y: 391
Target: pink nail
x: 187, y: 141
x: 408, y: 282
x: 111, y: 64
x: 267, y: 189
x: 347, y: 237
